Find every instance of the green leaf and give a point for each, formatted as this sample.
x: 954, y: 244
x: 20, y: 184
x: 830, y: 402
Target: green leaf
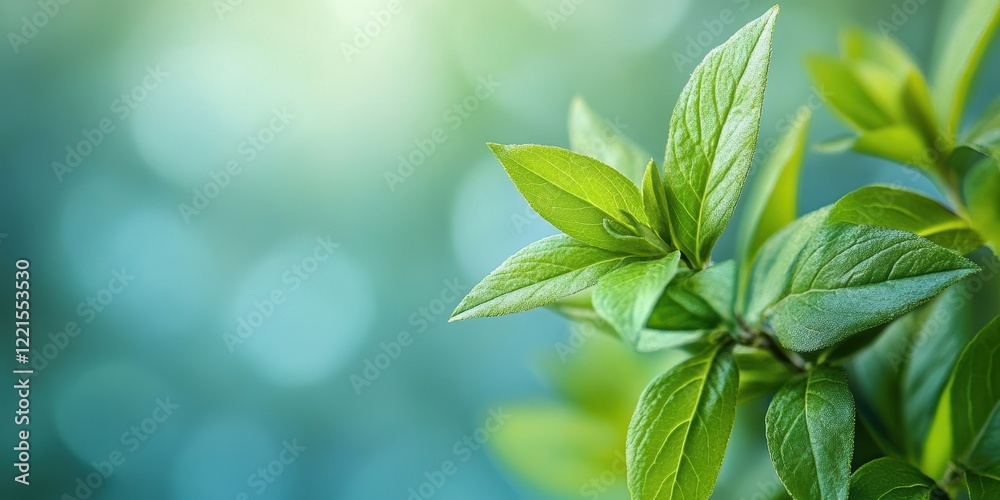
x: 597, y: 137
x: 970, y: 30
x: 906, y: 210
x: 537, y: 275
x: 713, y: 133
x: 850, y: 100
x: 716, y: 286
x: 771, y: 270
x: 626, y: 297
x: 902, y: 377
x: 985, y: 133
x: 850, y: 278
x: 982, y: 487
x: 575, y: 193
x: 899, y: 143
x: 654, y: 202
x: 760, y: 372
x: 681, y: 308
x: 680, y: 430
x: 890, y: 479
x: 773, y: 201
x: 810, y: 434
x: 982, y: 198
x: 975, y: 402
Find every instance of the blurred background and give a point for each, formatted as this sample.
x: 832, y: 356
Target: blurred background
x: 249, y: 221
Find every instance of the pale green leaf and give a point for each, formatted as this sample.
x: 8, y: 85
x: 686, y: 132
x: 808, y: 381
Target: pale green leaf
x: 538, y: 275
x: 899, y: 143
x: 985, y: 133
x: 680, y: 430
x: 966, y: 33
x: 906, y: 210
x: 773, y: 200
x: 598, y: 137
x: 810, y: 434
x: 975, y: 402
x: 626, y: 297
x: 654, y: 202
x: 713, y: 134
x: 849, y: 278
x: 890, y: 479
x: 849, y: 99
x: 575, y: 193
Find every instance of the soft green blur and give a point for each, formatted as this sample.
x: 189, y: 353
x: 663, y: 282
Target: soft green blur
x: 250, y: 220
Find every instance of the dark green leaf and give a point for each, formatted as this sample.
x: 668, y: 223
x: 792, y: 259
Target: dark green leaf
x: 850, y: 278
x: 982, y: 487
x: 890, y: 479
x: 598, y: 137
x: 760, y: 372
x: 906, y: 210
x: 538, y: 275
x: 975, y: 402
x: 713, y: 133
x: 810, y: 433
x: 680, y: 430
x: 626, y: 297
x: 575, y: 193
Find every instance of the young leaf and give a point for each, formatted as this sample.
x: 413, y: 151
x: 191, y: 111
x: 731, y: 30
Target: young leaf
x: 850, y: 100
x: 982, y: 487
x: 761, y: 373
x: 810, y: 434
x: 982, y: 197
x: 713, y: 133
x: 975, y: 402
x: 575, y: 193
x: 906, y: 210
x: 626, y: 296
x: 771, y: 269
x: 773, y: 201
x: 971, y: 29
x: 890, y: 479
x: 850, y: 278
x: 680, y: 429
x: 597, y: 137
x: 654, y: 202
x: 716, y: 286
x: 538, y: 275
x: 681, y: 308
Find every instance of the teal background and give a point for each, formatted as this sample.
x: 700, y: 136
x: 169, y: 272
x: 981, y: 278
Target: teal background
x: 401, y: 245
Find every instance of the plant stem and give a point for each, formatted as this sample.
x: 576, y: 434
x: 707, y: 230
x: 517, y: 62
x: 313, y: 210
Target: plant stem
x: 755, y: 338
x: 951, y: 483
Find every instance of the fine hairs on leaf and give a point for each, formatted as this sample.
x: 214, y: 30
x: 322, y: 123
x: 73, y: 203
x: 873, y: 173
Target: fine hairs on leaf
x: 849, y: 316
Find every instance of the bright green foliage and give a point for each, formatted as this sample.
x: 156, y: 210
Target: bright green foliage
x: 899, y: 208
x: 680, y: 430
x: 810, y: 432
x: 804, y: 297
x: 890, y: 479
x: 713, y: 133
